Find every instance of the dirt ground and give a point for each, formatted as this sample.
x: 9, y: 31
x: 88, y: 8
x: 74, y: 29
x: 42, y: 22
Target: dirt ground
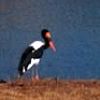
x: 50, y: 89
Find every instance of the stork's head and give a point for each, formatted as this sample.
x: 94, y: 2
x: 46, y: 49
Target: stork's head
x: 48, y: 39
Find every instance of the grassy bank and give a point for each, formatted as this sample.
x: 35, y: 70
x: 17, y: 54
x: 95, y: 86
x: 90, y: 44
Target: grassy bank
x: 50, y: 89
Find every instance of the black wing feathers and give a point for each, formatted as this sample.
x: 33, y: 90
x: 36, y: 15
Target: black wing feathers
x: 29, y: 53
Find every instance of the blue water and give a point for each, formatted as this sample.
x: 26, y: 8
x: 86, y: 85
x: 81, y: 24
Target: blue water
x: 75, y: 27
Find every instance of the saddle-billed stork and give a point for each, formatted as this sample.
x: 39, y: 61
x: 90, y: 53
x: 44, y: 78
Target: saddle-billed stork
x: 34, y: 52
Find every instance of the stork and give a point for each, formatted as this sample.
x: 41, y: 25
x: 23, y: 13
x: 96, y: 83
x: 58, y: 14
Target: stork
x: 34, y: 52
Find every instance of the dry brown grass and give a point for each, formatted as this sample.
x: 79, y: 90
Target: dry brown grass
x: 50, y: 89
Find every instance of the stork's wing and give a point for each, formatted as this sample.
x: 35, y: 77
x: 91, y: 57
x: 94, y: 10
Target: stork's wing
x: 38, y: 53
x: 25, y: 58
x: 28, y: 54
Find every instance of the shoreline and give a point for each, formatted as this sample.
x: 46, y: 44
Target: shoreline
x: 50, y: 89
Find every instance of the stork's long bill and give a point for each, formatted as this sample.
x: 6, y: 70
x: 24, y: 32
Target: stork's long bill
x: 51, y: 44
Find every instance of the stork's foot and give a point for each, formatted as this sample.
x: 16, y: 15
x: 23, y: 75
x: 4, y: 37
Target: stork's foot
x: 37, y: 77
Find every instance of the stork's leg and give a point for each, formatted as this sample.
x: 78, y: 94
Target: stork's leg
x: 35, y: 73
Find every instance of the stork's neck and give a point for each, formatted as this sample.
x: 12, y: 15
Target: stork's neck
x: 46, y: 45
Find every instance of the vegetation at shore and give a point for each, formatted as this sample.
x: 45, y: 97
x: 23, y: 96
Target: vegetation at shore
x: 50, y: 89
